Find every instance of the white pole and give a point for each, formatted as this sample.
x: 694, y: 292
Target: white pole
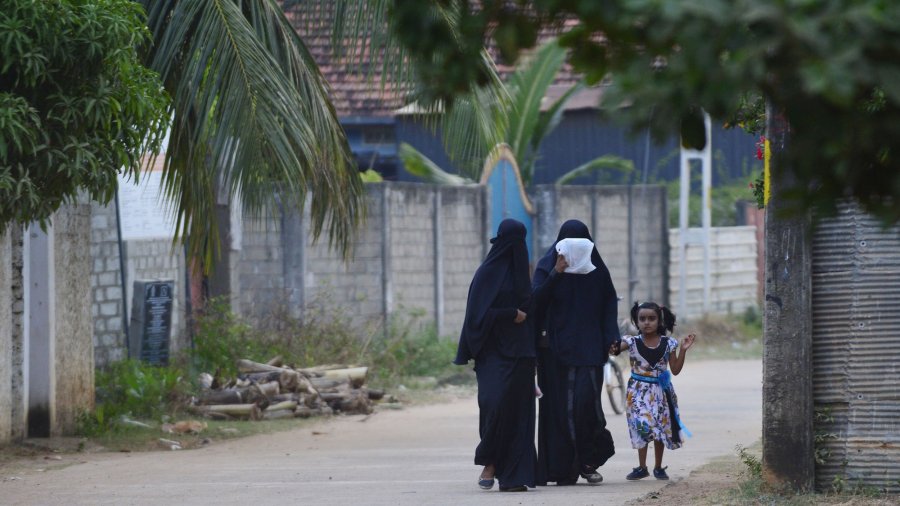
x: 707, y: 211
x: 684, y: 192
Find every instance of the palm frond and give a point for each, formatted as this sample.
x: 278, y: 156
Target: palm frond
x: 422, y: 166
x: 529, y: 85
x: 611, y: 162
x: 251, y: 116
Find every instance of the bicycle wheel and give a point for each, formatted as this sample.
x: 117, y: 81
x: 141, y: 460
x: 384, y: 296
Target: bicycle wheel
x: 615, y: 387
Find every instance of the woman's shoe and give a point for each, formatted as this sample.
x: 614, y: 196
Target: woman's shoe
x: 660, y: 473
x: 638, y: 473
x: 520, y: 488
x: 485, y: 483
x: 592, y: 476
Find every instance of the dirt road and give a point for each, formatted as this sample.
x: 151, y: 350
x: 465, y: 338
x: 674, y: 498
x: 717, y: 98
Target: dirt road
x: 421, y: 455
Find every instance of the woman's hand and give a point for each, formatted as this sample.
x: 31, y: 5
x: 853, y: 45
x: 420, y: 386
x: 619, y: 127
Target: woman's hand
x: 520, y: 316
x: 615, y: 348
x: 561, y: 263
x: 687, y: 342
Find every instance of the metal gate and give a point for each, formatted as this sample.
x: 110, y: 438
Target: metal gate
x: 856, y: 352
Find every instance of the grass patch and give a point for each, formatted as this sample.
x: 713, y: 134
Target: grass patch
x: 751, y: 489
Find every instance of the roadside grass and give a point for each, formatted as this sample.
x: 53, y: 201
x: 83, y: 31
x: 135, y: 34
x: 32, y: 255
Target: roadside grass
x: 736, y: 479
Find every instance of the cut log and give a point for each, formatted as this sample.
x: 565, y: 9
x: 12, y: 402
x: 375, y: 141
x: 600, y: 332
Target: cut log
x: 376, y: 395
x: 249, y: 366
x: 276, y: 361
x: 357, y: 375
x: 247, y: 395
x: 324, y: 384
x: 285, y: 397
x: 251, y: 411
x: 275, y: 415
x: 285, y: 405
x: 262, y: 377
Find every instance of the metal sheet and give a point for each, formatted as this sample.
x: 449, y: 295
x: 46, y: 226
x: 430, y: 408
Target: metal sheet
x: 856, y: 352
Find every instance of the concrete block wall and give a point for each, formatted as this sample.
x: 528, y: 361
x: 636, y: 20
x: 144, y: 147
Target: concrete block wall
x: 650, y: 245
x: 733, y: 272
x: 410, y: 218
x: 260, y: 266
x: 463, y: 246
x: 73, y: 350
x: 6, y: 339
x: 106, y: 286
x: 155, y: 259
x: 635, y: 253
x: 356, y: 287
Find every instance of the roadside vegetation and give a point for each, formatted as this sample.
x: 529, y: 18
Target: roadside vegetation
x: 737, y: 479
x: 134, y: 399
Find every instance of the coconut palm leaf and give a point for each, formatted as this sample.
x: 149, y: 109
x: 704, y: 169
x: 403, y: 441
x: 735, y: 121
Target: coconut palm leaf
x: 529, y: 85
x: 420, y: 165
x: 612, y: 162
x: 251, y: 118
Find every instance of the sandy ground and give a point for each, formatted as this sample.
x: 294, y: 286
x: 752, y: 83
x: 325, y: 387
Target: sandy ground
x: 421, y: 455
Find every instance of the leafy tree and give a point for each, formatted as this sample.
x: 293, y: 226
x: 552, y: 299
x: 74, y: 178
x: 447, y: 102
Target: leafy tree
x: 830, y: 68
x: 76, y: 105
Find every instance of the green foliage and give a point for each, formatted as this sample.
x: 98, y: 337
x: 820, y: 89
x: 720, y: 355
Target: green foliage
x: 323, y: 336
x: 751, y: 461
x: 134, y: 389
x: 723, y: 202
x: 251, y: 120
x: 828, y: 68
x: 371, y: 176
x: 76, y: 105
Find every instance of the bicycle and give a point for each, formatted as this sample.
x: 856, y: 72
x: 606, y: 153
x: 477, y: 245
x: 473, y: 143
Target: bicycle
x: 615, y: 385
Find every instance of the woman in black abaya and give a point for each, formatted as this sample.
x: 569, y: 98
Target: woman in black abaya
x: 500, y: 340
x: 576, y: 324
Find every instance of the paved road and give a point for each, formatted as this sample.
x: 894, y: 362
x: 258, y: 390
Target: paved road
x: 421, y: 455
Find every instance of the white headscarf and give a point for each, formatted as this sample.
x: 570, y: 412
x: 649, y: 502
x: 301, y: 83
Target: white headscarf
x: 578, y: 254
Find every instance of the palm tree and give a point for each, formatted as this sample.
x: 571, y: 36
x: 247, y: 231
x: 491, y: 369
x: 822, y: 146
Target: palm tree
x: 524, y: 129
x: 251, y: 119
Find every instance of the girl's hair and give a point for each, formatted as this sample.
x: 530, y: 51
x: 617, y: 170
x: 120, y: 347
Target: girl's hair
x: 665, y: 316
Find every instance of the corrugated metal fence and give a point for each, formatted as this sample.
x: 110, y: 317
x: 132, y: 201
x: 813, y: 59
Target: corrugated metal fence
x: 856, y: 352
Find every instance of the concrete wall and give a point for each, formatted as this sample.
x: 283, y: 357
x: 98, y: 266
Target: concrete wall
x: 733, y: 272
x: 155, y: 259
x: 628, y: 225
x: 19, y: 328
x: 421, y: 244
x: 398, y: 263
x: 73, y: 353
x: 106, y: 286
x: 145, y: 258
x: 6, y: 328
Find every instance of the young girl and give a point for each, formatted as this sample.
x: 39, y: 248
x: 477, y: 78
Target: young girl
x: 652, y: 408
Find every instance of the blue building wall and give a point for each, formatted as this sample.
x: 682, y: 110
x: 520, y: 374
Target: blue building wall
x: 583, y: 135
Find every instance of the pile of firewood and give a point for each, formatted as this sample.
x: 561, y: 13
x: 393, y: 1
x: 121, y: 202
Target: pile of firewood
x: 273, y: 390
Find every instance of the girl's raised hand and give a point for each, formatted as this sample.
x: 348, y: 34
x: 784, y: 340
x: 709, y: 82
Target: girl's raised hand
x: 687, y: 342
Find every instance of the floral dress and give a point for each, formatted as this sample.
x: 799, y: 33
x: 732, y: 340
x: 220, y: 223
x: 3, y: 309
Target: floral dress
x: 651, y: 402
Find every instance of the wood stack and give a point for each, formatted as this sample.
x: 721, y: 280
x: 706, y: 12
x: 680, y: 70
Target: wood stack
x: 274, y: 390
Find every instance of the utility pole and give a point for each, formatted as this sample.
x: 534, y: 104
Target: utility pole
x: 788, y: 448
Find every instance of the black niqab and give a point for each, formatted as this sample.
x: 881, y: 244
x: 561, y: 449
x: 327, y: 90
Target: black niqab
x: 573, y: 333
x: 500, y: 283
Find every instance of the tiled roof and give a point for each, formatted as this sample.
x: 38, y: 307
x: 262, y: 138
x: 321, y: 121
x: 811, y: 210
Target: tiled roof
x: 359, y: 92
